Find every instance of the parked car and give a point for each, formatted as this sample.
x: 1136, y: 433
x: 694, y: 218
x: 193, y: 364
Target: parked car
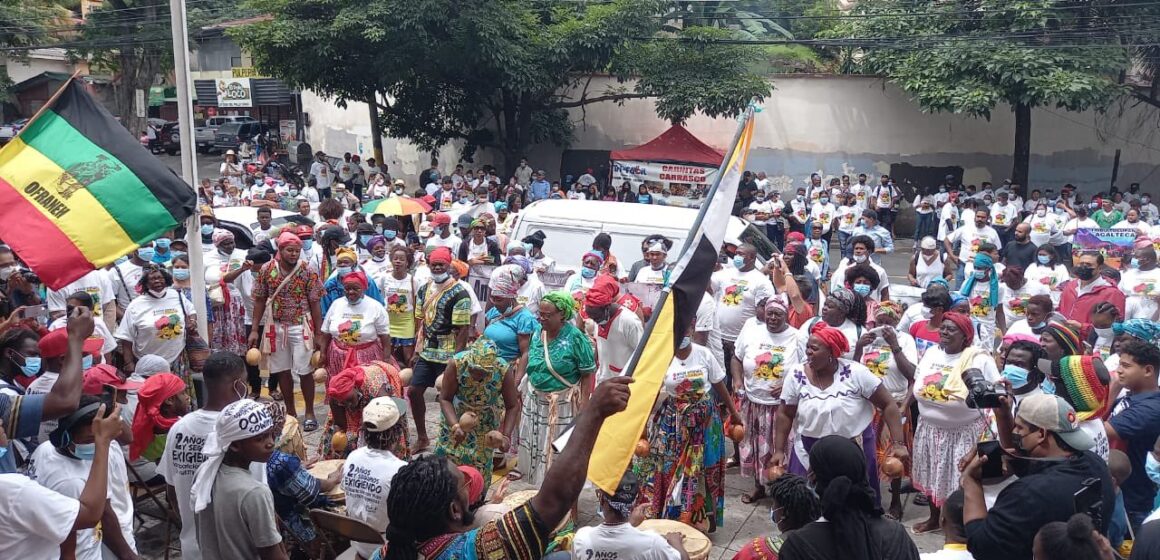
x: 229, y: 135
x: 205, y: 134
x: 10, y: 130
x: 169, y: 138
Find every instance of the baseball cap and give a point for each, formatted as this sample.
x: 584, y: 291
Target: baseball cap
x: 55, y: 344
x: 1053, y: 414
x: 98, y: 376
x: 465, y: 220
x: 441, y: 219
x: 382, y: 413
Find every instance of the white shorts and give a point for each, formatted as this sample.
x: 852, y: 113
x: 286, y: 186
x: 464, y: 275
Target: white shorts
x: 290, y: 352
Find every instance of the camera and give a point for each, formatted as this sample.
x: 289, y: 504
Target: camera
x: 30, y: 276
x: 1089, y: 500
x: 980, y: 392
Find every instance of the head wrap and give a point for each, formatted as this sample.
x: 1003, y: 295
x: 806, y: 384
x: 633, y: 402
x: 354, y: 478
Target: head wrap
x: 150, y: 364
x: 658, y: 246
x: 149, y: 398
x: 375, y: 241
x: 1142, y: 242
x: 563, y: 301
x: 603, y: 291
x: 500, y: 206
x: 520, y: 260
x: 238, y: 421
x: 983, y: 262
x: 461, y: 268
x: 776, y: 302
x: 890, y: 309
x: 346, y: 252
x: 506, y: 280
x: 356, y: 276
x: 844, y: 298
x: 286, y: 239
x: 344, y: 382
x: 940, y: 281
x: 795, y: 237
x: 1066, y: 337
x: 964, y: 324
x: 1085, y: 389
x: 474, y: 480
x: 481, y: 355
x: 1010, y: 339
x: 957, y: 298
x: 220, y: 235
x: 277, y: 410
x: 1143, y: 329
x: 599, y: 258
x: 440, y: 255
x: 478, y: 223
x: 847, y: 500
x: 831, y: 337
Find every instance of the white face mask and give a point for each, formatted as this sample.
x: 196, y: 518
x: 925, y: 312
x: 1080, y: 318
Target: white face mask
x: 859, y: 258
x: 1106, y: 334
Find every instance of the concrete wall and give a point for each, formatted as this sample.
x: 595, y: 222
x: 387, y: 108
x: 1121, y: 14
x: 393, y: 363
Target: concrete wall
x: 833, y: 125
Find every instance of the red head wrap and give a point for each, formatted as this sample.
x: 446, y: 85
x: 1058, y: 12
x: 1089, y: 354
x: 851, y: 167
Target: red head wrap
x: 345, y: 382
x: 795, y: 237
x: 963, y: 323
x: 153, y: 392
x: 286, y: 239
x: 356, y: 276
x: 831, y: 337
x: 603, y: 291
x: 474, y: 480
x: 440, y: 255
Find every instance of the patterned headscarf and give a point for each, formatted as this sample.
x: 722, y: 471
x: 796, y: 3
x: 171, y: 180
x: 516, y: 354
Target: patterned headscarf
x: 506, y: 280
x: 1143, y: 329
x: 776, y: 302
x: 599, y: 257
x: 346, y: 252
x: 1087, y: 393
x: 221, y: 235
x: 843, y: 297
x: 482, y: 355
x: 890, y: 309
x: 520, y: 260
x: 563, y: 301
x: 964, y: 324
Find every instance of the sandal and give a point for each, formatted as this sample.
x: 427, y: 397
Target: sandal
x: 276, y: 395
x: 515, y: 475
x: 310, y: 425
x: 753, y: 497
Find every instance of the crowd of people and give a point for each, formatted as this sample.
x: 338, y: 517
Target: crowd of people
x: 1017, y: 400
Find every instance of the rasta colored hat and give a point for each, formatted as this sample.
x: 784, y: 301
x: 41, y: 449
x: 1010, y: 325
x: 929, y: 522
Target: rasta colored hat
x: 1066, y: 337
x: 1084, y: 379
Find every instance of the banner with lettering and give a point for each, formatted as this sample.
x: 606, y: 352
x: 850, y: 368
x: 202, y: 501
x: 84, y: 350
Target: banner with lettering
x: 674, y: 184
x: 1114, y: 244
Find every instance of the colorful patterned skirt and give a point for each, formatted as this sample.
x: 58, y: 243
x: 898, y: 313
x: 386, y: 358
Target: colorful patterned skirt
x: 684, y: 473
x: 757, y: 446
x: 227, y: 332
x: 544, y: 417
x: 381, y: 380
x: 936, y: 456
x: 341, y: 355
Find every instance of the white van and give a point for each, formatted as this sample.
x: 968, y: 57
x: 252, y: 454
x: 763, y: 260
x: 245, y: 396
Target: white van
x: 570, y: 225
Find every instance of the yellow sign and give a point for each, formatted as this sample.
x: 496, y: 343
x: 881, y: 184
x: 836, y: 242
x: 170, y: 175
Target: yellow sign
x: 245, y: 72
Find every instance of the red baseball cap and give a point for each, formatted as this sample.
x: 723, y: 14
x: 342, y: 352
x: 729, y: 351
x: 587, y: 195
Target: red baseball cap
x: 100, y: 375
x: 55, y: 344
x: 441, y: 219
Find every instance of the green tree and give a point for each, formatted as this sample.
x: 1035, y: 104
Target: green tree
x: 968, y: 56
x: 499, y: 74
x: 27, y: 23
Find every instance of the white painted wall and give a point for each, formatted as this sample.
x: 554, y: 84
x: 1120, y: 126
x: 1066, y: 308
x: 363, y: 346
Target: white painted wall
x: 832, y: 124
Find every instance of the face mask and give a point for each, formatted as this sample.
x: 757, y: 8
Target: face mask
x: 1044, y: 259
x: 240, y: 393
x: 440, y: 278
x: 528, y: 248
x: 1085, y: 273
x: 145, y: 253
x: 859, y: 259
x: 1016, y: 375
x: 1048, y: 387
x: 181, y: 274
x: 824, y: 200
x: 1145, y: 200
x: 120, y: 261
x: 801, y: 197
x: 354, y: 301
x: 464, y: 200
x: 1105, y: 334
x: 759, y: 198
x: 206, y: 230
x: 344, y: 270
x: 1134, y: 263
x: 363, y: 239
x: 980, y: 274
x: 6, y: 273
x: 587, y: 273
x: 739, y: 262
x: 1093, y: 206
x: 85, y: 451
x: 1151, y: 467
x: 390, y: 234
x: 157, y: 293
x: 307, y: 244
x: 686, y: 342
x: 217, y: 192
x: 1041, y: 212
x: 31, y: 366
x: 163, y: 243
x: 86, y: 362
x: 862, y: 289
x: 398, y: 191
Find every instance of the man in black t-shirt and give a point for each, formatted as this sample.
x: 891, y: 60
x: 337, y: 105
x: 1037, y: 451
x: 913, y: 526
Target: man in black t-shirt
x: 1021, y: 252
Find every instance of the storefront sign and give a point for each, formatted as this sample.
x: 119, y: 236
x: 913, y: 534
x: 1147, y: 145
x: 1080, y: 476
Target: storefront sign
x: 288, y: 130
x: 244, y: 72
x: 234, y: 92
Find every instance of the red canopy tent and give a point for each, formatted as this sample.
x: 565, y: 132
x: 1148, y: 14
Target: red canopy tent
x: 675, y: 145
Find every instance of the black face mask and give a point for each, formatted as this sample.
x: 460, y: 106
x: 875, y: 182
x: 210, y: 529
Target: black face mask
x: 1085, y: 273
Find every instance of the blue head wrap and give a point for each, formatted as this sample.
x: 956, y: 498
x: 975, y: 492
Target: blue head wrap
x: 983, y: 262
x: 1143, y: 329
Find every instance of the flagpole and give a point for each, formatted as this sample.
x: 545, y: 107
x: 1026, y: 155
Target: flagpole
x: 179, y: 28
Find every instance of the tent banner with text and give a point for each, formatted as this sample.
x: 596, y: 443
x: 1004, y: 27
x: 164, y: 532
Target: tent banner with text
x: 1114, y: 244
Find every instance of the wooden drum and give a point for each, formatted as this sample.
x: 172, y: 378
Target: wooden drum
x: 322, y: 470
x: 517, y: 499
x: 696, y: 543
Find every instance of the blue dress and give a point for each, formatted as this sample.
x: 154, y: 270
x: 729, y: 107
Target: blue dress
x: 505, y: 332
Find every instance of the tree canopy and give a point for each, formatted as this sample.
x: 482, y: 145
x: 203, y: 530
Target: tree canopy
x: 499, y: 74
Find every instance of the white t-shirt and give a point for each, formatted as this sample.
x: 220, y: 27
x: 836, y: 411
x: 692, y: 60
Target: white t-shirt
x: 99, y: 330
x: 354, y: 324
x: 452, y: 242
x: 765, y: 207
x: 1003, y: 215
x: 96, y: 283
x: 66, y: 476
x: 925, y: 272
x: 700, y: 370
x: 1077, y: 223
x: 707, y: 322
x: 971, y: 237
x: 1140, y: 226
x: 621, y: 542
x: 1014, y: 301
x: 737, y: 296
x: 765, y: 359
x: 1048, y: 278
x: 530, y: 294
x: 947, y: 554
x: 1095, y: 429
x: 156, y: 325
x: 1043, y: 228
x: 34, y: 520
x: 949, y: 212
x: 843, y: 409
x: 823, y: 214
x: 935, y: 405
x: 124, y: 277
x: 1140, y: 286
x: 881, y: 361
x: 648, y: 275
x: 178, y: 464
x: 624, y: 336
x: 367, y: 481
x: 322, y: 175
x: 848, y: 218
